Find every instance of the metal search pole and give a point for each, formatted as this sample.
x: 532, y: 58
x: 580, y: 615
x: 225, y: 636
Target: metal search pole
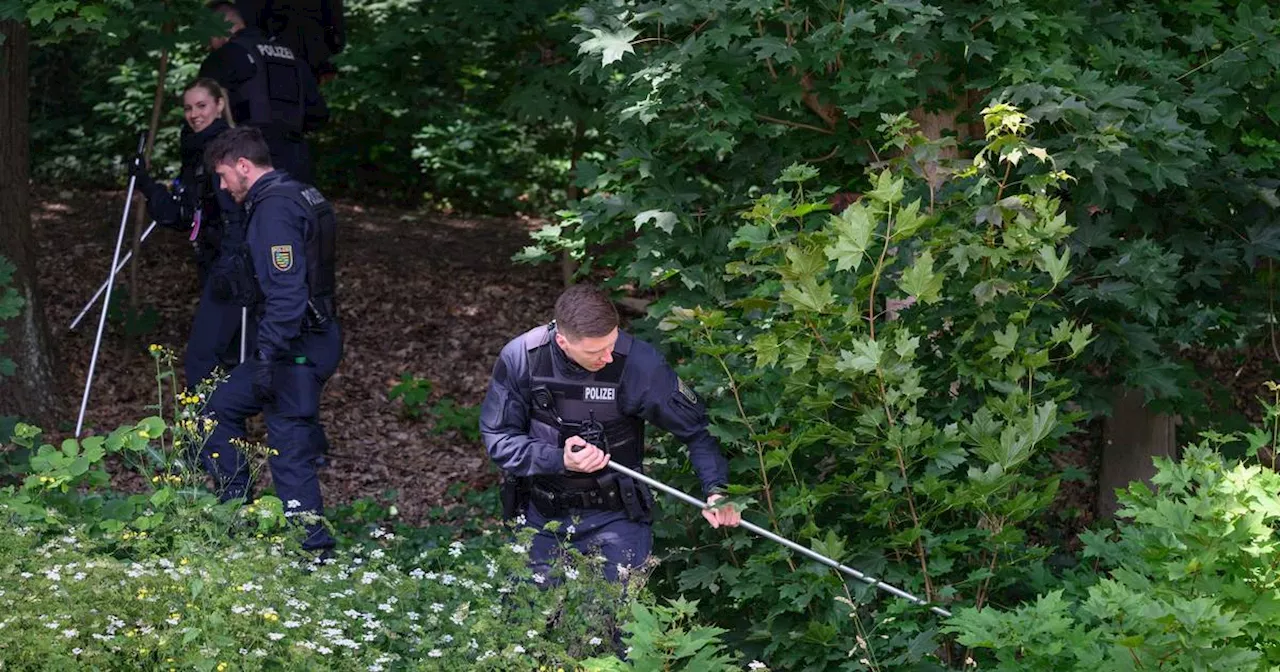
x: 784, y: 541
x: 102, y: 288
x: 106, y: 301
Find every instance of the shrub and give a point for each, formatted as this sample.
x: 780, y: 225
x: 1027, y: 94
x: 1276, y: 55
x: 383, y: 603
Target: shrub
x: 1189, y: 581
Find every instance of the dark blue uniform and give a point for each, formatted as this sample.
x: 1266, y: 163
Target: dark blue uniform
x: 538, y: 397
x: 274, y: 90
x: 215, y: 226
x: 291, y: 245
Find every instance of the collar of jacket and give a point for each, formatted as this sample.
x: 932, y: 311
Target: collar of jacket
x: 265, y: 182
x: 563, y: 362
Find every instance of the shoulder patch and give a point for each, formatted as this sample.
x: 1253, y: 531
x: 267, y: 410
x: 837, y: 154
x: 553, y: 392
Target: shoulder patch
x: 686, y: 391
x: 282, y: 257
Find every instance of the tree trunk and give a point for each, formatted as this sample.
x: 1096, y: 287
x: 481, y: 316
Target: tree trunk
x: 31, y: 394
x: 1133, y: 438
x: 140, y: 205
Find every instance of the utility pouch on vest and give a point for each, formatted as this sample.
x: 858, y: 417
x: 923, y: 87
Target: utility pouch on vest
x: 514, y: 494
x: 635, y: 497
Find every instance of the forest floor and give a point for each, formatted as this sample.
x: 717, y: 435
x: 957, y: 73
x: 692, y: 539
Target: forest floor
x: 436, y: 297
x: 424, y: 294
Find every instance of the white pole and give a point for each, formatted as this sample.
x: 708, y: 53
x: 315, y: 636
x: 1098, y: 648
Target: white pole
x: 128, y: 255
x: 106, y: 301
x: 244, y: 328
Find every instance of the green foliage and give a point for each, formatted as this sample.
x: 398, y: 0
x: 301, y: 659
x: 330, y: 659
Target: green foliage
x: 466, y: 106
x: 889, y: 389
x: 445, y: 413
x: 412, y: 392
x: 1189, y: 582
x: 668, y: 638
x: 1157, y: 109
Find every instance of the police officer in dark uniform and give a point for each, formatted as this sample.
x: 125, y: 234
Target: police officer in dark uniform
x: 567, y: 398
x: 270, y: 87
x: 196, y: 206
x: 291, y: 246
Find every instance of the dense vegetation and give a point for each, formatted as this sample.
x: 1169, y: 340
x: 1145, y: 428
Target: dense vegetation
x: 904, y: 250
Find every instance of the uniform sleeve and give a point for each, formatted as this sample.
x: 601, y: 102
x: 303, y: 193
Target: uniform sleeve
x: 653, y: 391
x: 162, y: 204
x: 504, y: 421
x: 277, y: 236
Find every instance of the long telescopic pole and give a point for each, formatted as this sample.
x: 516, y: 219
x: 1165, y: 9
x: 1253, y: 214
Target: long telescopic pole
x: 103, y: 287
x: 784, y: 541
x: 106, y: 300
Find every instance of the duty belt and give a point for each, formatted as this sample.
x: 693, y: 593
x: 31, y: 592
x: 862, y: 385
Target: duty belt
x: 611, y: 493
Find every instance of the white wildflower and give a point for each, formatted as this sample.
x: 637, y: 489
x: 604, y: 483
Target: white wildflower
x: 275, y: 636
x: 435, y: 653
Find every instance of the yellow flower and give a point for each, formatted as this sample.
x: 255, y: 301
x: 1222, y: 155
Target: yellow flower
x: 222, y: 667
x: 142, y: 535
x: 184, y: 561
x: 155, y: 479
x: 174, y: 616
x: 214, y: 456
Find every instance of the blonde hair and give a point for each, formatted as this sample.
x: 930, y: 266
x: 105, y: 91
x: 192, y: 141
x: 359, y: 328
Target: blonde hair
x: 215, y: 91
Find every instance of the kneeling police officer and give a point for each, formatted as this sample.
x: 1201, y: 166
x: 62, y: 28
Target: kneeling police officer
x: 564, y: 400
x: 291, y: 231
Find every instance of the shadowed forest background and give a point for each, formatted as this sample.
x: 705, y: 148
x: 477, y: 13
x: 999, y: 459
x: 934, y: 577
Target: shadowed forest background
x: 946, y: 274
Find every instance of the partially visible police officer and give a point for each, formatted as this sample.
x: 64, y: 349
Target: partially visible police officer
x: 291, y: 245
x: 581, y: 383
x: 270, y: 87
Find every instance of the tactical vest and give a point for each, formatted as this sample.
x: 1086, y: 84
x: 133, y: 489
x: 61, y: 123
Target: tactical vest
x: 565, y: 406
x: 321, y: 246
x: 274, y: 99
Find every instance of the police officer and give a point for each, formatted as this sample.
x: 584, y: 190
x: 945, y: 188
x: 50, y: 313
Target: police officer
x: 197, y: 207
x: 567, y: 398
x: 291, y: 244
x: 270, y: 87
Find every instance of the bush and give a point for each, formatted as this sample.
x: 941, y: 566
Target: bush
x: 1189, y: 581
x: 889, y: 389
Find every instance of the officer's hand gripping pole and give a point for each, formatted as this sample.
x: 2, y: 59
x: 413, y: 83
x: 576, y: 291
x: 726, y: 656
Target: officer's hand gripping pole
x: 106, y: 300
x: 781, y: 540
x: 103, y: 287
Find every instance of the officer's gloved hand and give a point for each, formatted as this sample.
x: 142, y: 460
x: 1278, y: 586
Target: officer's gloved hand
x: 264, y: 368
x: 138, y: 169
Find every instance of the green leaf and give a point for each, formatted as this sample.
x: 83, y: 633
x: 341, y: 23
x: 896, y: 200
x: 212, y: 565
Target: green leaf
x: 766, y: 349
x: 921, y: 281
x: 161, y: 497
x: 1051, y: 263
x: 853, y: 229
x: 1005, y: 342
x: 798, y: 173
x: 661, y: 218
x: 888, y: 189
x: 1080, y: 338
x: 808, y: 295
x: 908, y: 221
x: 864, y: 358
x: 798, y: 350
x: 611, y: 46
x: 70, y: 447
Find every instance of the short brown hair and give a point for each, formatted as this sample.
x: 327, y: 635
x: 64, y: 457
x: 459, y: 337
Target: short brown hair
x: 583, y: 311
x: 233, y: 144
